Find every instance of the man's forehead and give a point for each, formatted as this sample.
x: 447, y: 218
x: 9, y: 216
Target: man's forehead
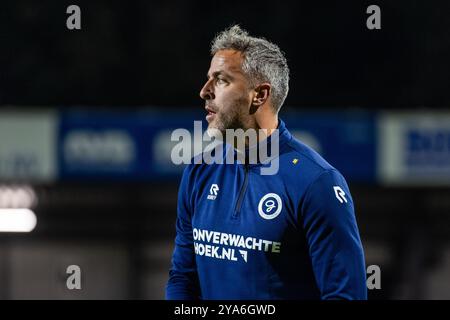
x: 226, y: 60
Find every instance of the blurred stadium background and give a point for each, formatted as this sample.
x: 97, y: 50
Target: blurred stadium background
x: 86, y: 117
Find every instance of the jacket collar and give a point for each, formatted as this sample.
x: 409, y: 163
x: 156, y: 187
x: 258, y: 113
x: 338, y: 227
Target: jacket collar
x: 251, y: 154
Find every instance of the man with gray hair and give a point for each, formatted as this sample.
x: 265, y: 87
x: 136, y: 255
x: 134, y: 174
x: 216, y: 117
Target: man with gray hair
x: 244, y: 235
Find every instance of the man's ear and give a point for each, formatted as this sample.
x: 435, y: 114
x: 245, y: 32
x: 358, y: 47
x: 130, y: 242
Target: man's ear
x: 261, y: 94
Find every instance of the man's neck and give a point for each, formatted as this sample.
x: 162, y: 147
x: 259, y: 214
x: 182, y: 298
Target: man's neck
x: 263, y: 128
x: 268, y: 125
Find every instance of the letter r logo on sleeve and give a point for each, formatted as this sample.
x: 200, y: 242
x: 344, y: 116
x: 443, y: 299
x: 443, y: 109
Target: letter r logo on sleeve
x: 340, y: 194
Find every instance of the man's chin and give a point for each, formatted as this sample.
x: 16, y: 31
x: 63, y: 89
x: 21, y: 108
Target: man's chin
x: 214, y: 132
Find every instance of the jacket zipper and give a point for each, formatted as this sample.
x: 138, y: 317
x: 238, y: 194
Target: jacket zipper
x: 241, y: 193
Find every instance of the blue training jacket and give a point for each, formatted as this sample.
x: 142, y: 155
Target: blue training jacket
x: 244, y: 235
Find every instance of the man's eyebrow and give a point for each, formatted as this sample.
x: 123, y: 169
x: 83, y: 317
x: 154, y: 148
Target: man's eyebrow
x: 217, y: 73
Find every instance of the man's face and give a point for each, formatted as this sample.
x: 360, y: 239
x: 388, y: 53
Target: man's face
x: 227, y: 93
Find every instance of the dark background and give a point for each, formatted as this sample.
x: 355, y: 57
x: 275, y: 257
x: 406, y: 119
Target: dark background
x: 135, y: 54
x: 157, y: 52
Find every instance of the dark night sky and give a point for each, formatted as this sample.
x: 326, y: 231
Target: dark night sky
x: 133, y: 53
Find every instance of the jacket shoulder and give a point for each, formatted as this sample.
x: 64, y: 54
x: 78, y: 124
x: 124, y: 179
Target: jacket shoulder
x: 304, y: 162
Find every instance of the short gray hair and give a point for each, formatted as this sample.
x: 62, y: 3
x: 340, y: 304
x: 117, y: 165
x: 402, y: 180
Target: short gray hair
x: 263, y: 60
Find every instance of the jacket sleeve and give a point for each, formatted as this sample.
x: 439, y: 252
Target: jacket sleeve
x: 183, y: 281
x: 333, y: 239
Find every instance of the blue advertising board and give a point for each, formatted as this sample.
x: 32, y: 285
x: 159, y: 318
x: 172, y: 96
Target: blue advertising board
x: 137, y: 145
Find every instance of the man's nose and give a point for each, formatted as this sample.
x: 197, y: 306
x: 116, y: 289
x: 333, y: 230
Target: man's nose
x: 206, y: 93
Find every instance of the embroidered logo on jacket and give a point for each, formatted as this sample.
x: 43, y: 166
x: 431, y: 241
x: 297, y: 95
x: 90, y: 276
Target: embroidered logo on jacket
x: 340, y: 194
x: 213, y: 192
x: 270, y: 206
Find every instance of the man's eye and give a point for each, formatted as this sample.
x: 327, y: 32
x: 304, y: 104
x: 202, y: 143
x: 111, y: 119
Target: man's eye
x: 220, y: 81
